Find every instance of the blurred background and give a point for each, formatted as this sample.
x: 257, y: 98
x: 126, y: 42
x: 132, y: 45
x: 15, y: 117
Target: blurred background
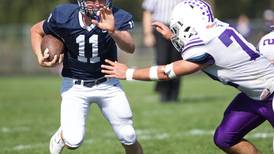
x: 30, y: 97
x: 17, y: 16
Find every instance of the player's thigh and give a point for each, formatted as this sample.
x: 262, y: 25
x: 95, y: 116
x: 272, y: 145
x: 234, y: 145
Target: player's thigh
x: 239, y: 119
x: 238, y: 123
x: 234, y: 127
x: 74, y: 110
x: 116, y: 110
x: 115, y: 107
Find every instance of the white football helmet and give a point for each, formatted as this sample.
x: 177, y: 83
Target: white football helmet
x: 188, y: 19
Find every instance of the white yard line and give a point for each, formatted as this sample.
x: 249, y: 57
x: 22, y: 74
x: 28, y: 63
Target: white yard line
x: 152, y: 135
x: 142, y: 135
x: 21, y: 147
x: 15, y: 129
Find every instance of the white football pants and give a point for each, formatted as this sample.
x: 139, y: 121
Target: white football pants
x: 110, y: 98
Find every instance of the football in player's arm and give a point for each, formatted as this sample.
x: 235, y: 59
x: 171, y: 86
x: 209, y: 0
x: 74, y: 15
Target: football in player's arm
x: 218, y: 50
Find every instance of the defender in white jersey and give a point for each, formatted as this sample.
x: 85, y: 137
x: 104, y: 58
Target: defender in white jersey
x: 212, y: 46
x: 266, y: 48
x: 266, y: 45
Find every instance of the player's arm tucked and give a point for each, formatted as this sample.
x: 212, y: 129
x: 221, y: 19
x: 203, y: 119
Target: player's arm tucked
x: 37, y: 34
x: 161, y: 72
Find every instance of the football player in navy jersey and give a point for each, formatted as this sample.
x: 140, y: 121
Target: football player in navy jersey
x: 90, y: 32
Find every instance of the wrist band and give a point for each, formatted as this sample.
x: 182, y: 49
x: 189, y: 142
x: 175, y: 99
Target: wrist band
x: 169, y: 71
x: 153, y: 73
x: 129, y: 74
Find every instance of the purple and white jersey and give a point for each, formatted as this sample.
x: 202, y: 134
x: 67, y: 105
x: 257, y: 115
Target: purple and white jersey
x: 266, y: 46
x: 234, y: 61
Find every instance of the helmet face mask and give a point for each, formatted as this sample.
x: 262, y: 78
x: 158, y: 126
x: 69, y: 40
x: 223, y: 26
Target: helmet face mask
x: 177, y: 43
x: 89, y: 11
x: 181, y: 34
x: 189, y: 18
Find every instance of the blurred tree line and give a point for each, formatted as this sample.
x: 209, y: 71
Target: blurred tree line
x: 30, y: 11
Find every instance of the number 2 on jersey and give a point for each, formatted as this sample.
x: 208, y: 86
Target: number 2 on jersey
x: 93, y: 40
x: 225, y: 37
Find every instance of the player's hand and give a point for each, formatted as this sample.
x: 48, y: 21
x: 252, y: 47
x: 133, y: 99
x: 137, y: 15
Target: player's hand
x: 107, y: 21
x: 43, y: 60
x: 114, y: 69
x: 163, y: 29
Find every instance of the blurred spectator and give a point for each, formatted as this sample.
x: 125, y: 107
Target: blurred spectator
x: 243, y: 25
x: 269, y: 19
x: 160, y: 10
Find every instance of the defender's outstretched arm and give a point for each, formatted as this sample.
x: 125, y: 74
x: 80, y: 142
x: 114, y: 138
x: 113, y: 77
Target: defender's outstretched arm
x: 161, y: 72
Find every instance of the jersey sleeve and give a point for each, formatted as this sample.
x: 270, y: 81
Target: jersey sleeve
x: 149, y: 5
x: 123, y: 20
x: 198, y: 55
x: 47, y: 26
x: 51, y: 23
x: 58, y: 17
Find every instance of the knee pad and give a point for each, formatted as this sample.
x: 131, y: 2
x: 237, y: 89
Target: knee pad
x: 126, y: 134
x: 73, y: 140
x: 224, y: 139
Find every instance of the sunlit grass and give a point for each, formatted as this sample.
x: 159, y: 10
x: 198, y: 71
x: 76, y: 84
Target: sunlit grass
x: 29, y: 114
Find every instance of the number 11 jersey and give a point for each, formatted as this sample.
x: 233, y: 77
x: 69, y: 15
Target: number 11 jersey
x: 86, y: 47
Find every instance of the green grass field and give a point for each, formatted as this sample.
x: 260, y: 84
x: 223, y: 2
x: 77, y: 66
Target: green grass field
x: 29, y: 114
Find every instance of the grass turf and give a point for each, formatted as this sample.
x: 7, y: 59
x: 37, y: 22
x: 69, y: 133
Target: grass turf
x: 29, y: 114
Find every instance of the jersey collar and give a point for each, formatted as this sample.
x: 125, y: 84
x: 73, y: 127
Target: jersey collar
x: 82, y: 24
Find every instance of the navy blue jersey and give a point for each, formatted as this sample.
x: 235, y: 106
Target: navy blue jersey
x: 86, y: 47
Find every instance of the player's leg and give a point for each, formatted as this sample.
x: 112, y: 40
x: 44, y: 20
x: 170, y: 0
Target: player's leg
x: 74, y: 110
x: 135, y: 148
x: 266, y: 110
x: 162, y: 54
x: 174, y: 87
x: 240, y: 118
x: 57, y: 144
x: 115, y: 108
x: 243, y: 147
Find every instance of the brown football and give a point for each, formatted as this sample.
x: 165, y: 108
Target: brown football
x: 54, y: 46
